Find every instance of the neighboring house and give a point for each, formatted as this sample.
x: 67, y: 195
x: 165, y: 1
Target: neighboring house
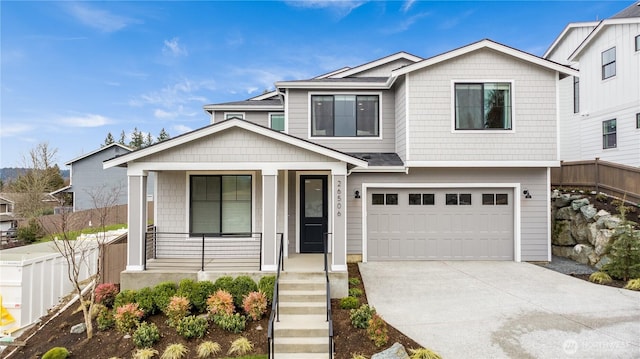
x: 10, y: 203
x: 600, y: 109
x: 402, y: 158
x: 7, y: 219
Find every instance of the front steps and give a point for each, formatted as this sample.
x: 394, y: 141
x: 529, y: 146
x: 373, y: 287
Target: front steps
x: 303, y: 330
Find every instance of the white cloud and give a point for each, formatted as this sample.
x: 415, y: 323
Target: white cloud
x: 405, y: 24
x: 172, y: 47
x: 170, y: 96
x: 179, y: 112
x: 14, y: 128
x: 181, y: 129
x: 97, y: 18
x: 407, y: 5
x: 455, y: 21
x: 341, y: 8
x: 88, y: 120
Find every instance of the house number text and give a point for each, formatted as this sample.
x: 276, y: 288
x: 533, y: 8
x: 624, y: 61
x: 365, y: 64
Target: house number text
x: 339, y: 198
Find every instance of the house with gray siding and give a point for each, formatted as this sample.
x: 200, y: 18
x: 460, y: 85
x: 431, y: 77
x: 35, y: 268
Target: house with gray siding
x: 401, y: 158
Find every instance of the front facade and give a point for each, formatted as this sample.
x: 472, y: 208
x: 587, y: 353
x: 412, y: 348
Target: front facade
x: 402, y: 158
x: 600, y: 109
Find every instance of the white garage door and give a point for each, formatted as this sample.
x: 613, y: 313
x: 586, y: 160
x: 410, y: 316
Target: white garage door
x: 440, y: 224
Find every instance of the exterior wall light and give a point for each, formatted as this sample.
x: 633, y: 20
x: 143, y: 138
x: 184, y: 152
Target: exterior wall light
x: 356, y: 194
x: 526, y: 194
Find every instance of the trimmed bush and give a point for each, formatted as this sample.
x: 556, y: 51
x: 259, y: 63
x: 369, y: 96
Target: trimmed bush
x: 377, y: 331
x: 600, y: 278
x: 144, y: 298
x: 353, y: 281
x: 360, y: 317
x: 205, y: 289
x: 106, y: 294
x: 56, y: 353
x: 189, y: 289
x: 220, y: 303
x: 349, y: 303
x: 225, y: 283
x: 234, y: 323
x: 255, y: 305
x: 177, y: 309
x: 355, y: 292
x: 162, y: 294
x: 127, y: 296
x: 633, y: 284
x: 192, y: 327
x: 266, y: 285
x: 105, y: 319
x: 242, y: 286
x: 128, y: 317
x: 146, y: 335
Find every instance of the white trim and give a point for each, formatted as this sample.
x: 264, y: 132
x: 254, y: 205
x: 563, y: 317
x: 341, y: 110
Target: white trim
x: 233, y: 166
x: 238, y: 108
x: 364, y: 85
x: 133, y: 268
x: 98, y: 151
x: 242, y: 115
x: 465, y: 164
x: 329, y: 203
x: 512, y: 91
x: 269, y: 268
x: 342, y: 138
x: 264, y: 176
x: 517, y: 247
x: 285, y: 231
x: 549, y: 214
x: 598, y: 29
x: 407, y: 145
x: 490, y: 45
x: 558, y: 114
x: 278, y: 113
x: 338, y: 268
x: 264, y: 96
x: 569, y: 27
x: 381, y: 169
x: 376, y: 63
x: 286, y: 110
x: 329, y: 74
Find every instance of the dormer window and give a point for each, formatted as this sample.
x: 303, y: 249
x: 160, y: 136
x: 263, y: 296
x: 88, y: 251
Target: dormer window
x: 609, y: 63
x: 345, y: 115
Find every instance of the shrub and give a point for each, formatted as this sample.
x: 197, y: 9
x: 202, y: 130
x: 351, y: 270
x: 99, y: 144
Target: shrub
x: 146, y: 335
x: 126, y: 296
x: 146, y: 353
x: 600, y: 278
x: 128, y: 317
x: 255, y: 305
x: 357, y: 356
x: 162, y: 294
x: 56, y: 353
x: 355, y: 292
x: 174, y: 351
x: 360, y: 317
x: 354, y: 281
x: 31, y: 232
x: 192, y: 327
x: 601, y: 197
x: 144, y: 298
x: 220, y: 303
x: 377, y: 331
x: 106, y: 294
x: 349, y: 302
x: 633, y: 284
x: 105, y: 319
x: 242, y: 286
x: 624, y: 250
x: 423, y: 353
x: 234, y: 323
x: 266, y: 285
x: 205, y: 289
x: 225, y: 283
x: 177, y: 309
x: 241, y: 346
x: 188, y: 288
x: 208, y: 349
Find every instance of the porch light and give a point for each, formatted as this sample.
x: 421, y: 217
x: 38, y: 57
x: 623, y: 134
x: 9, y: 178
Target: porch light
x: 526, y: 194
x: 356, y: 194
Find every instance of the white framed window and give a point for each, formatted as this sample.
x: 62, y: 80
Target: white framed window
x: 576, y: 94
x: 638, y: 120
x: 345, y: 115
x: 220, y: 204
x: 482, y: 106
x: 276, y: 121
x: 230, y: 115
x: 609, y: 139
x: 638, y: 43
x: 609, y: 63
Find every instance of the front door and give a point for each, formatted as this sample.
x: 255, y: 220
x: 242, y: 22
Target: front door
x: 313, y: 213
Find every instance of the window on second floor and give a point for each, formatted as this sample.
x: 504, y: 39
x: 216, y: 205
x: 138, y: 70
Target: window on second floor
x: 638, y: 120
x: 609, y: 63
x: 638, y: 43
x: 576, y: 94
x: 229, y: 115
x: 483, y: 106
x: 276, y: 121
x: 345, y: 115
x: 609, y: 139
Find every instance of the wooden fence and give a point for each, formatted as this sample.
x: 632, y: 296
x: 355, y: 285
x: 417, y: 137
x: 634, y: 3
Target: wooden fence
x: 602, y: 176
x: 114, y: 260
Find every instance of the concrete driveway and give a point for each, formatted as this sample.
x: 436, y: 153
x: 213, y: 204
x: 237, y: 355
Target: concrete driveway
x: 504, y: 310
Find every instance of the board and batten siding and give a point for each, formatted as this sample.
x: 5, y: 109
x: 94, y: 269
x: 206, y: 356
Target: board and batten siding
x: 572, y: 39
x: 570, y: 123
x: 534, y: 212
x: 299, y: 121
x: 401, y: 118
x: 431, y: 116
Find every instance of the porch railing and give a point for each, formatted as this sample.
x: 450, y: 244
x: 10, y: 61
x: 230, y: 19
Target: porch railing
x: 326, y: 273
x: 275, y: 304
x: 206, y: 248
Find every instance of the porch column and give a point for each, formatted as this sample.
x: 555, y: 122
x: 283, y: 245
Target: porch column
x: 269, y: 218
x: 137, y: 218
x: 339, y: 230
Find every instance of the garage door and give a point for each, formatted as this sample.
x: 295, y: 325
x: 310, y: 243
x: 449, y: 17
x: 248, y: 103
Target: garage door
x: 440, y: 224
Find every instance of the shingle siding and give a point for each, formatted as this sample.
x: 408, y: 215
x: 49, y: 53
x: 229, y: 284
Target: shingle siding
x: 401, y: 118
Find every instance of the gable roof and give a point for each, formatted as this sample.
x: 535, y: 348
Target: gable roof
x: 234, y: 123
x: 486, y: 44
x: 247, y: 105
x: 599, y: 29
x: 265, y: 96
x: 97, y: 151
x: 632, y: 10
x: 375, y: 63
x: 329, y: 74
x: 565, y: 32
x: 332, y: 83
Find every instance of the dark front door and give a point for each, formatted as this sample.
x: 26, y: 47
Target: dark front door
x: 313, y: 213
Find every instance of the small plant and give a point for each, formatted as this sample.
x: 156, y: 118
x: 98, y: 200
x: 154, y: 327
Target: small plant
x: 225, y: 283
x: 175, y: 351
x: 267, y: 285
x: 241, y: 346
x: 106, y: 294
x: 192, y: 327
x: 56, y: 353
x: 600, y: 278
x: 358, y: 356
x: 234, y: 323
x: 208, y: 349
x: 349, y: 303
x: 126, y: 296
x: 220, y: 303
x: 105, y: 319
x: 145, y: 353
x: 162, y: 294
x: 601, y: 197
x: 128, y: 317
x: 146, y: 335
x: 355, y: 292
x: 255, y: 305
x: 144, y: 298
x: 633, y: 284
x: 242, y: 286
x: 377, y: 331
x: 423, y: 353
x: 353, y: 281
x: 360, y: 317
x: 624, y: 250
x: 177, y: 309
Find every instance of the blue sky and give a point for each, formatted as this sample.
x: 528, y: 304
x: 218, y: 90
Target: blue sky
x: 71, y: 72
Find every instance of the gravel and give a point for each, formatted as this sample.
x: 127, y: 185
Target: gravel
x: 567, y: 266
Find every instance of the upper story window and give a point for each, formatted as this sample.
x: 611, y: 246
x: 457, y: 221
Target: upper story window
x: 345, y: 115
x: 229, y: 115
x: 637, y: 120
x: 576, y: 94
x: 609, y: 139
x: 609, y: 63
x: 483, y: 106
x: 276, y: 121
x: 638, y: 43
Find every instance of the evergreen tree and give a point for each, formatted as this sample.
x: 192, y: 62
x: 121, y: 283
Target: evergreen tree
x: 148, y: 140
x: 123, y: 138
x: 624, y: 249
x: 137, y: 139
x: 163, y: 135
x: 108, y: 140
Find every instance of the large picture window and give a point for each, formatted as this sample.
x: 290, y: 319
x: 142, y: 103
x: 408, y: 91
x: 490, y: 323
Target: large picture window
x: 609, y: 63
x: 483, y: 106
x: 609, y: 139
x: 345, y: 115
x: 220, y: 204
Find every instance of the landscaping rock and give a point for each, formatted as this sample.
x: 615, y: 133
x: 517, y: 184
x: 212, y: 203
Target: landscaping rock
x: 583, y: 253
x: 602, y: 262
x: 562, y: 234
x: 561, y: 251
x: 580, y: 229
x: 601, y: 213
x: 565, y: 213
x: 602, y: 240
x: 78, y: 328
x: 576, y: 204
x: 588, y: 211
x: 396, y: 351
x: 608, y: 222
x: 562, y: 201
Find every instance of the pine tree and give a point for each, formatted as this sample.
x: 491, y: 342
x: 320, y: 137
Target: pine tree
x: 624, y: 249
x: 108, y: 140
x: 148, y: 141
x: 122, y: 139
x: 137, y: 139
x: 163, y: 136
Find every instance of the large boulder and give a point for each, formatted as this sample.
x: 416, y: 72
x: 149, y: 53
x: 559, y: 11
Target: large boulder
x: 561, y: 234
x: 562, y: 200
x: 604, y: 260
x: 584, y: 254
x: 608, y: 222
x: 602, y: 240
x: 396, y: 351
x: 565, y: 213
x: 576, y: 204
x: 601, y: 213
x: 588, y: 211
x: 561, y: 251
x: 580, y: 229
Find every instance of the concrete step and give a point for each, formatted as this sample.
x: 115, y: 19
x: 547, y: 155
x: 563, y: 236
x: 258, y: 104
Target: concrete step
x: 301, y: 284
x: 302, y: 345
x: 302, y: 326
x: 303, y: 308
x: 301, y: 356
x: 303, y: 296
x: 319, y: 276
